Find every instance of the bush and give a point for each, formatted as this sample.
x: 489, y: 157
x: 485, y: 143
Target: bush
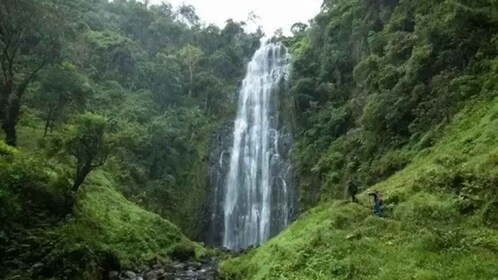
x: 29, y: 211
x: 7, y: 151
x: 427, y: 208
x: 182, y: 252
x: 490, y: 215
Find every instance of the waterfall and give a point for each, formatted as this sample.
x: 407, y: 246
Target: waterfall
x: 258, y: 198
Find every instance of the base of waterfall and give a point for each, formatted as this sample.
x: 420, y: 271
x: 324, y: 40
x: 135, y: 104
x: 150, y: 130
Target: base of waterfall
x: 204, y: 269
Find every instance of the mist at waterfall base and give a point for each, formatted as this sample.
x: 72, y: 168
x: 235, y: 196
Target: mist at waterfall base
x: 250, y: 172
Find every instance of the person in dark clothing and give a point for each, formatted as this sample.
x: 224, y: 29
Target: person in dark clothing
x: 377, y: 199
x: 352, y: 190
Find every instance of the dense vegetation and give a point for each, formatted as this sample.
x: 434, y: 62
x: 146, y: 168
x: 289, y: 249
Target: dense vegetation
x: 400, y: 97
x: 375, y: 82
x: 105, y: 97
x: 107, y: 109
x: 441, y: 218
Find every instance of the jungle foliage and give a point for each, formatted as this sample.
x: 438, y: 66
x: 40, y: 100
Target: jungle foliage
x: 401, y: 97
x: 102, y: 98
x: 375, y: 81
x: 107, y: 108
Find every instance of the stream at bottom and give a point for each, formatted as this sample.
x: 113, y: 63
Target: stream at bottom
x: 204, y: 269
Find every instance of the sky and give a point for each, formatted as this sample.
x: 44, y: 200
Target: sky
x: 274, y: 14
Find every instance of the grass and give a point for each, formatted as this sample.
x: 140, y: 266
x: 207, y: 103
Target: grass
x: 104, y: 228
x: 106, y: 221
x: 441, y: 219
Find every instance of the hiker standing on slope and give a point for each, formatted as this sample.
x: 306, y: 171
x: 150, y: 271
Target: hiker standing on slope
x: 352, y: 190
x: 377, y: 199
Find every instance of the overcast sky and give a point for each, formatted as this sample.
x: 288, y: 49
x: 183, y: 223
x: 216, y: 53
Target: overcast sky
x: 273, y: 14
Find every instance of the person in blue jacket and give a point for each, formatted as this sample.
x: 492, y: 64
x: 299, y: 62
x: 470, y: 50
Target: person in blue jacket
x: 377, y: 199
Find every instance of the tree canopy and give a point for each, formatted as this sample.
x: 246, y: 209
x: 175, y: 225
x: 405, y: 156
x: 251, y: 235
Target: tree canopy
x: 117, y: 87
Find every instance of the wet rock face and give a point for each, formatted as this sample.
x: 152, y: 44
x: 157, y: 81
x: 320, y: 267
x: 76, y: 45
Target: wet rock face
x: 219, y: 166
x: 192, y: 270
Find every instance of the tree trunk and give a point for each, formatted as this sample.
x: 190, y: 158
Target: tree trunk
x: 10, y: 133
x: 52, y: 124
x: 4, y: 97
x: 81, y: 174
x: 9, y: 113
x: 47, y: 122
x: 206, y: 104
x: 191, y: 70
x: 10, y: 119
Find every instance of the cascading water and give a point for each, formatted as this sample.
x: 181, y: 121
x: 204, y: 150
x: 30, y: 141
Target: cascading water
x: 258, y: 199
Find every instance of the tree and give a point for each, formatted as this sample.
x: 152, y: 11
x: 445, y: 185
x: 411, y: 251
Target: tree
x: 209, y: 39
x: 164, y: 77
x: 188, y: 15
x: 213, y: 92
x: 29, y: 41
x: 190, y: 56
x: 232, y: 31
x: 298, y: 28
x: 88, y: 145
x: 62, y: 89
x: 279, y: 33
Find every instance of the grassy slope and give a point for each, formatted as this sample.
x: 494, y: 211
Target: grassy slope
x: 442, y: 219
x: 107, y: 221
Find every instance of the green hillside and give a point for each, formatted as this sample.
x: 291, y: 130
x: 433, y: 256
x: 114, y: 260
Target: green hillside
x: 106, y: 221
x: 399, y: 97
x: 40, y: 240
x: 441, y: 218
x: 109, y: 111
x: 110, y: 105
